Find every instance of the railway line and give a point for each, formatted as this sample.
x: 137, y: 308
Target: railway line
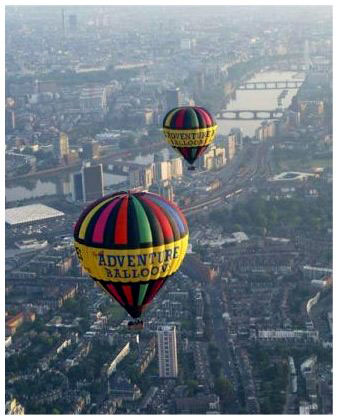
x: 237, y: 183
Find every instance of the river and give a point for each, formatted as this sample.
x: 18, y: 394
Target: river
x: 258, y: 100
x: 242, y: 99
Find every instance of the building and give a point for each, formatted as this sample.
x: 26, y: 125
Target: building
x: 90, y: 150
x: 121, y: 388
x: 9, y: 120
x: 308, y: 366
x: 314, y: 107
x: 266, y: 131
x: 198, y: 302
x: 312, y: 273
x: 159, y: 157
x: 142, y: 177
x: 237, y: 134
x: 199, y: 80
x: 62, y: 148
x: 76, y: 187
x: 87, y: 185
x: 72, y: 21
x: 42, y: 86
x: 33, y: 213
x: 164, y: 189
x: 176, y: 166
x: 214, y: 158
x: 201, y: 404
x: 92, y: 178
x: 148, y: 115
x: 173, y: 99
x: 117, y: 359
x: 167, y: 191
x: 93, y: 100
x: 29, y: 245
x: 167, y: 351
x: 230, y: 146
x: 288, y: 335
x: 147, y: 355
x: 162, y: 171
x: 8, y: 341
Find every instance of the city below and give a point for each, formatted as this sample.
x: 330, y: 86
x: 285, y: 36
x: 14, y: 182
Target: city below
x: 245, y: 325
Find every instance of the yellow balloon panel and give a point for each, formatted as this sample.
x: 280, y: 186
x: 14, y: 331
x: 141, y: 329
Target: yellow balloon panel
x: 190, y: 138
x: 134, y: 265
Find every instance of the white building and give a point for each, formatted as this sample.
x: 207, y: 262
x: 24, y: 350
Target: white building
x: 8, y: 341
x: 214, y: 158
x: 30, y: 214
x: 230, y: 146
x: 316, y: 272
x: 167, y: 351
x: 272, y: 335
x: 162, y: 171
x: 120, y: 356
x: 93, y: 100
x: 176, y: 167
x: 141, y: 177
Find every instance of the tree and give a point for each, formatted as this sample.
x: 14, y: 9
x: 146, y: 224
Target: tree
x: 128, y: 142
x: 215, y: 367
x: 225, y: 390
x: 213, y: 350
x: 56, y: 411
x: 192, y: 385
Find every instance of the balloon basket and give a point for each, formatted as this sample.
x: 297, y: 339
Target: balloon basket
x: 135, y: 325
x: 191, y: 168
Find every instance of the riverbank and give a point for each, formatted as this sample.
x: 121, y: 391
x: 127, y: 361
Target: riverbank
x: 76, y: 165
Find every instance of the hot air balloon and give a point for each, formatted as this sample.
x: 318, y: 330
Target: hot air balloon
x: 130, y: 243
x: 189, y: 130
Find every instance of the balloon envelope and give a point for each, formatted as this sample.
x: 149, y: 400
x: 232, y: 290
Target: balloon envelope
x: 130, y: 243
x: 189, y: 130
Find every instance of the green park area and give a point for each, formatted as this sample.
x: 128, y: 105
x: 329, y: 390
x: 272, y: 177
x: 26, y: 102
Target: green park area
x: 300, y: 164
x: 113, y: 311
x: 300, y: 160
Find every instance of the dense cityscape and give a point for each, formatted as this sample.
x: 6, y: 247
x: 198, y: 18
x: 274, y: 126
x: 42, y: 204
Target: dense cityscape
x: 245, y: 325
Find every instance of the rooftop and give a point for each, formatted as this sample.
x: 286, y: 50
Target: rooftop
x: 30, y: 213
x: 291, y: 176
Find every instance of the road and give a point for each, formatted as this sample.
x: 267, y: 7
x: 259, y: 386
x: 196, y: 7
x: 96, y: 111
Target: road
x: 238, y: 177
x: 221, y: 339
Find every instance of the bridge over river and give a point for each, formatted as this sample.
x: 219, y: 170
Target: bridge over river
x: 265, y: 85
x: 120, y: 167
x: 249, y: 114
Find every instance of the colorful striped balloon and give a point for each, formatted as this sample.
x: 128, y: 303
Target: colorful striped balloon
x: 130, y: 243
x: 189, y: 130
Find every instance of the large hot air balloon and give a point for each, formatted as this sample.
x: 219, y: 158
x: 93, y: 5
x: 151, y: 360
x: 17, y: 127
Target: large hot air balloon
x: 190, y: 130
x: 130, y: 243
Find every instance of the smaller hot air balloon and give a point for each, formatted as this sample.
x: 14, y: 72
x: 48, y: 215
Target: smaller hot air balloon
x: 130, y: 243
x: 189, y: 130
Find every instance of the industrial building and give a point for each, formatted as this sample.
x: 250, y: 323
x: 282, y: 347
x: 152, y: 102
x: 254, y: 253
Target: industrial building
x: 29, y: 214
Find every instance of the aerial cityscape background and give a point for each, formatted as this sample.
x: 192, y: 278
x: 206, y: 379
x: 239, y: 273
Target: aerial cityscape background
x: 245, y: 325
